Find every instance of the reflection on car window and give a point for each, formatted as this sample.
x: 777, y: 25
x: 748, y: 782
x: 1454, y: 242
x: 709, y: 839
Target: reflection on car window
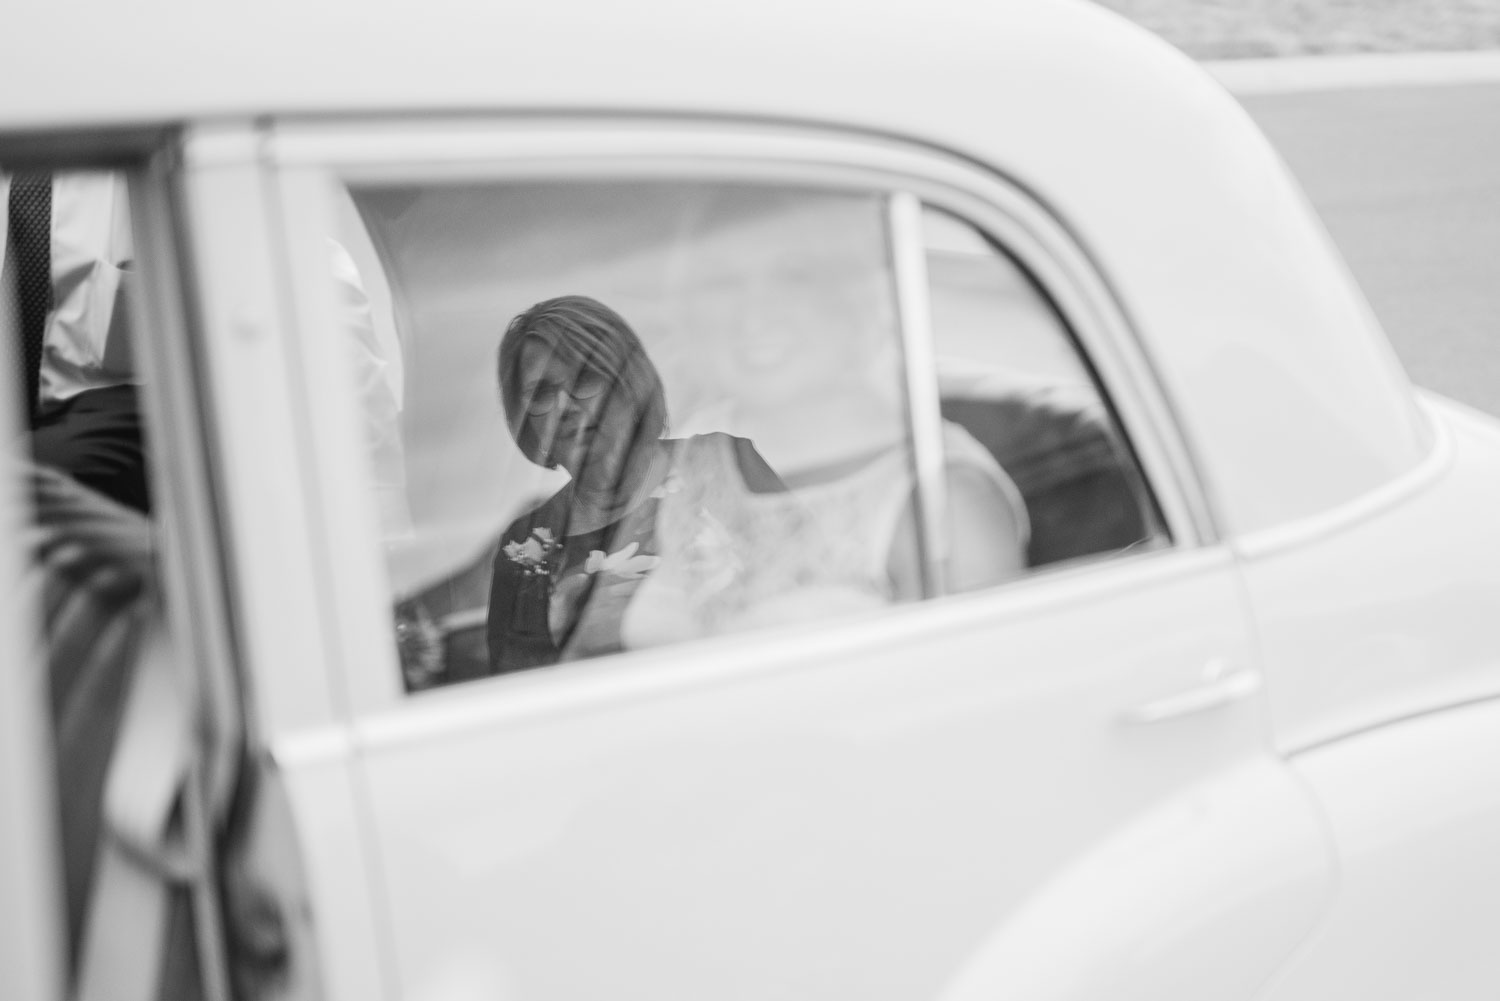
x: 1010, y: 374
x: 81, y: 473
x: 636, y: 414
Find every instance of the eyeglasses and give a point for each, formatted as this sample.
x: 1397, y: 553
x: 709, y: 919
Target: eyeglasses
x: 545, y: 395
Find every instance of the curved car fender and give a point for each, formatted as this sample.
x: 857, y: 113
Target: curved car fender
x: 1218, y: 886
x: 1415, y: 809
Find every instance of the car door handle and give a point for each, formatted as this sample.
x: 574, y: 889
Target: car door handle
x: 1223, y: 683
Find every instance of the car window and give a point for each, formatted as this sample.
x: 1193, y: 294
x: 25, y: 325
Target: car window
x: 639, y: 413
x: 1011, y: 375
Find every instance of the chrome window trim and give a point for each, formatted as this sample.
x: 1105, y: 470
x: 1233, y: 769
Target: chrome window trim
x: 923, y: 406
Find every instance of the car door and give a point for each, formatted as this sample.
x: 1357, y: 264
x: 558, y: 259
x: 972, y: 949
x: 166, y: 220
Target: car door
x: 1054, y: 784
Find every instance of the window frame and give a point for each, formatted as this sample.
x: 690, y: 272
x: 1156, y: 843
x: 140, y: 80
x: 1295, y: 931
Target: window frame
x: 919, y: 365
x: 314, y: 154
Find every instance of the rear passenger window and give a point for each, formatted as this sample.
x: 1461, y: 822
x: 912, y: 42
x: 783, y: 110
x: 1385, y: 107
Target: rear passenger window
x: 642, y: 413
x: 1010, y: 374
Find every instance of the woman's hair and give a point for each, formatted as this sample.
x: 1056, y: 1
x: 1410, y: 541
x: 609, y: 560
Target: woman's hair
x: 586, y: 336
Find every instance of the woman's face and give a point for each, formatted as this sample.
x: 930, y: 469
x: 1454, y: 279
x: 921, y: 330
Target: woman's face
x: 791, y: 301
x: 577, y: 416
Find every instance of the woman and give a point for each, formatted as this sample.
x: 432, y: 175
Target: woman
x: 795, y: 291
x: 579, y: 392
x: 656, y: 540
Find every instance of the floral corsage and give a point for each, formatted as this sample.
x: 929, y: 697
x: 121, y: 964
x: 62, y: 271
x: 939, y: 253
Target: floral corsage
x: 533, y: 555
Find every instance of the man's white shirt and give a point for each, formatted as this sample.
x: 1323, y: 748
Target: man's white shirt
x: 86, y: 341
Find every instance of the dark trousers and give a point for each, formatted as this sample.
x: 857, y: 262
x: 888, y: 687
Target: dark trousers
x: 95, y: 437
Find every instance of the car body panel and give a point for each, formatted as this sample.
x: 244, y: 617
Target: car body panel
x: 248, y: 368
x: 1412, y: 807
x: 1217, y: 885
x: 1385, y: 612
x: 315, y: 855
x: 744, y: 818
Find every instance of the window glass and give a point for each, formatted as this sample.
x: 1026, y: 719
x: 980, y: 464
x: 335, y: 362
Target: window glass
x: 696, y: 426
x: 637, y: 413
x: 1012, y: 378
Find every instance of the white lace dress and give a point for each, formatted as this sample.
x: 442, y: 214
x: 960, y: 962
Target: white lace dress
x: 732, y: 559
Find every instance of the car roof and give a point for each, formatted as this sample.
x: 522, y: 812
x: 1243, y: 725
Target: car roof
x: 1264, y: 346
x: 169, y: 59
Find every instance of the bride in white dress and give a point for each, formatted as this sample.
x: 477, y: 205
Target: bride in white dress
x: 795, y: 292
x: 799, y: 503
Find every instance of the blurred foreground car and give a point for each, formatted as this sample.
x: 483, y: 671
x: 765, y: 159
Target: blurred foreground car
x: 1232, y: 733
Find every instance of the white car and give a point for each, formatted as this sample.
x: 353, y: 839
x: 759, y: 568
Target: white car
x: 1196, y: 699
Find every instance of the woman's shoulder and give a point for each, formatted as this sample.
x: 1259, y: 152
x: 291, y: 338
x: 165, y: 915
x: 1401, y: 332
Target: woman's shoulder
x: 976, y: 467
x: 719, y: 452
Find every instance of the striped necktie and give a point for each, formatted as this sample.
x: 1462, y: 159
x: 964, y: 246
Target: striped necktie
x: 31, y: 236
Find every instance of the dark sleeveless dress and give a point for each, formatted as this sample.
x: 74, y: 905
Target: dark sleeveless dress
x: 537, y: 555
